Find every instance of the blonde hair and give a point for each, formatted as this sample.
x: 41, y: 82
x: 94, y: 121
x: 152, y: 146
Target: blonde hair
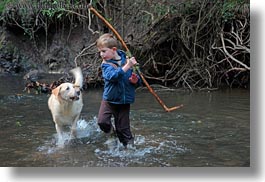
x: 107, y: 40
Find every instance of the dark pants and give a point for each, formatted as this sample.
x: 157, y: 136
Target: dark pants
x: 121, y: 120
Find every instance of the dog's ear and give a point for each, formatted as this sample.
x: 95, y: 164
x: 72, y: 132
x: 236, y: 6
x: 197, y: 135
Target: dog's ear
x: 56, y: 91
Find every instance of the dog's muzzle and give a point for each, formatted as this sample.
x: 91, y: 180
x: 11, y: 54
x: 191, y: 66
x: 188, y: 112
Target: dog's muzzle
x: 74, y: 98
x: 77, y: 94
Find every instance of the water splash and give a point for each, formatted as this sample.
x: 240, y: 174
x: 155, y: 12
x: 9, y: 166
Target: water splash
x: 86, y: 133
x: 145, y: 152
x: 116, y: 149
x: 108, y: 151
x: 87, y: 128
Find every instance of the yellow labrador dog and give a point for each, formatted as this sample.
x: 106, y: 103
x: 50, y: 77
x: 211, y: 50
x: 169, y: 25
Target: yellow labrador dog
x: 66, y: 103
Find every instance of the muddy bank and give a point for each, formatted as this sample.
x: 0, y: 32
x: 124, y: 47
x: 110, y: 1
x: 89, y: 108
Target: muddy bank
x: 33, y: 58
x: 194, y: 45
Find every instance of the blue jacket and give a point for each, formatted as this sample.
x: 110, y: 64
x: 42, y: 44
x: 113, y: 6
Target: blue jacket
x: 117, y: 87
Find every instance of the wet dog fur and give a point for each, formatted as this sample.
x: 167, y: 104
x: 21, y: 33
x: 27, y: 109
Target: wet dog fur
x: 66, y: 103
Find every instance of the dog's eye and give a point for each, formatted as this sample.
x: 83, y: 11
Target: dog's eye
x: 67, y: 88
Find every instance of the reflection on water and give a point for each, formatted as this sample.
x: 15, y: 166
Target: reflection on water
x: 212, y: 129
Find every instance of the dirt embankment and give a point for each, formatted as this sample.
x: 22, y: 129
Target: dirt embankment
x: 58, y: 53
x: 194, y: 45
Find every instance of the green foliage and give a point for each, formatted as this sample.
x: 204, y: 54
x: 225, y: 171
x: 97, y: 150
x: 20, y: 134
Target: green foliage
x: 229, y: 7
x: 95, y: 2
x: 53, y: 10
x: 27, y: 12
x: 189, y: 7
x: 18, y: 124
x: 3, y: 4
x: 162, y: 8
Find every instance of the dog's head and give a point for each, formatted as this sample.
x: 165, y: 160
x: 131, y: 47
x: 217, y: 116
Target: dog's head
x: 67, y: 91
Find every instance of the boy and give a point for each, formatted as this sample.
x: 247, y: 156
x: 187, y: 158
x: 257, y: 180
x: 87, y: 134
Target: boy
x: 119, y: 89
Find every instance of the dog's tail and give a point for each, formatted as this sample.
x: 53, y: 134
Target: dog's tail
x: 77, y: 72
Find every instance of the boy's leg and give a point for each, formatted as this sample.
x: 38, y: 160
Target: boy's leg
x: 122, y: 123
x: 104, y: 117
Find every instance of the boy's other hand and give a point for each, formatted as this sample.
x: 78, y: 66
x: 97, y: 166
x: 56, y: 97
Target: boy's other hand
x: 133, y: 79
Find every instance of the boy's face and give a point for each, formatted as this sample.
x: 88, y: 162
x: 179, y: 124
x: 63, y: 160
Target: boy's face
x: 107, y: 53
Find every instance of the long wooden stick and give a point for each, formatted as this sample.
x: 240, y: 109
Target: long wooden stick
x: 129, y: 54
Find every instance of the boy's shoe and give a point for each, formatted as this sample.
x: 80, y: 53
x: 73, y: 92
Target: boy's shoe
x: 130, y: 142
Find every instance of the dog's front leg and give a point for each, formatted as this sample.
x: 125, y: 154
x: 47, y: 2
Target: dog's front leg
x: 73, y: 129
x: 59, y: 133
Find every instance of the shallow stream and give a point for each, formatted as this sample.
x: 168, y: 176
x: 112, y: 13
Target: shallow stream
x: 212, y: 129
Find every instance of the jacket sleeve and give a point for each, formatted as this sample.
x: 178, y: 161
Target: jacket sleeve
x: 111, y: 73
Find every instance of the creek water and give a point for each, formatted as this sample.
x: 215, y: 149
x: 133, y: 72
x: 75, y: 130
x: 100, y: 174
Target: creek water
x: 212, y: 129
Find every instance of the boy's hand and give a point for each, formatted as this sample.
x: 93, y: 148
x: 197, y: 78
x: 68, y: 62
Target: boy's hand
x: 133, y: 79
x: 132, y: 61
